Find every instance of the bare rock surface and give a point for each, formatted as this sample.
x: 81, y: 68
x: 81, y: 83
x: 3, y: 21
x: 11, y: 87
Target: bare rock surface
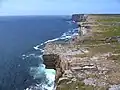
x: 79, y: 64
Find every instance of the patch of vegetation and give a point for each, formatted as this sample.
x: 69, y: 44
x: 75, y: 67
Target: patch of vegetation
x: 102, y: 32
x: 108, y: 31
x: 112, y: 31
x: 92, y: 75
x: 96, y: 45
x: 101, y: 49
x: 116, y: 58
x: 96, y: 41
x: 80, y: 55
x: 78, y: 85
x: 108, y: 19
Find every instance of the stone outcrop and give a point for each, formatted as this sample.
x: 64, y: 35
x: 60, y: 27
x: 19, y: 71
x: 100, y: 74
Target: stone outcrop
x: 51, y: 61
x: 86, y: 65
x: 78, y: 17
x: 112, y: 39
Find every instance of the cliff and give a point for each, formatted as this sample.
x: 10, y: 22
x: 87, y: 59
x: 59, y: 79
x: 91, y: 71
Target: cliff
x: 91, y: 61
x: 78, y: 17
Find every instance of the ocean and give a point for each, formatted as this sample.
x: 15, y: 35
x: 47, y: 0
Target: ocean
x: 22, y: 39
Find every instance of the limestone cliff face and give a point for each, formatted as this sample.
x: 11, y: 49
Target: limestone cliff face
x: 54, y: 61
x: 51, y: 61
x: 78, y: 17
x: 89, y: 64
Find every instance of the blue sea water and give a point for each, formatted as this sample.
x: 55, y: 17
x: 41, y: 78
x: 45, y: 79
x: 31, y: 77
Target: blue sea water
x: 22, y: 39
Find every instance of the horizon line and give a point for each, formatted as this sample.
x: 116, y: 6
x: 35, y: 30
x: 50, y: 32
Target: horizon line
x: 63, y: 14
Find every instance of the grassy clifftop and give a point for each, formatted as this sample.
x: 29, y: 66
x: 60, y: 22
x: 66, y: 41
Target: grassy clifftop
x: 92, y: 61
x: 108, y: 35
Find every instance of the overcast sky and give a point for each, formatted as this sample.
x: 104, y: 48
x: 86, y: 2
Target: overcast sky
x: 57, y: 7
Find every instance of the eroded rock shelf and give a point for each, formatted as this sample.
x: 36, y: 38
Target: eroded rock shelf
x: 92, y: 60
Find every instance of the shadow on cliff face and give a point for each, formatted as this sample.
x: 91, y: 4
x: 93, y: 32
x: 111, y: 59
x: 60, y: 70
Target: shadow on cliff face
x: 51, y: 61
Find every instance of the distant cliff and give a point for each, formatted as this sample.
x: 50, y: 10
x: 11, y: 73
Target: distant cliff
x: 78, y: 17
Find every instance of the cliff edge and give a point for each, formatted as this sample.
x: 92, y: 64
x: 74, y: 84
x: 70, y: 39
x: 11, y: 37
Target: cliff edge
x: 92, y: 60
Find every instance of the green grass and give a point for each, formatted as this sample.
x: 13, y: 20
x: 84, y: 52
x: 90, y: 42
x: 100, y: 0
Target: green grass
x: 112, y: 31
x: 78, y: 85
x: 97, y: 39
x: 116, y: 58
x: 117, y: 19
x: 109, y: 31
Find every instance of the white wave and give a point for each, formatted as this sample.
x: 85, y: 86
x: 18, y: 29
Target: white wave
x: 69, y: 34
x: 36, y: 47
x: 37, y: 72
x: 64, y: 36
x: 75, y: 34
x: 32, y: 54
x: 23, y: 55
x: 50, y: 75
x: 69, y: 22
x: 51, y: 40
x: 41, y: 44
x: 42, y: 50
x: 40, y: 56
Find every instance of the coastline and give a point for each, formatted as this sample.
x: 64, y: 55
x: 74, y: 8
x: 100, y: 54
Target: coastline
x: 83, y: 63
x: 43, y: 71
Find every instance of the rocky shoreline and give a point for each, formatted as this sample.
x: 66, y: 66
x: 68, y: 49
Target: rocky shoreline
x: 87, y: 62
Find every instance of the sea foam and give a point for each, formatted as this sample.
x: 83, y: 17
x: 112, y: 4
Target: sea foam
x: 39, y: 72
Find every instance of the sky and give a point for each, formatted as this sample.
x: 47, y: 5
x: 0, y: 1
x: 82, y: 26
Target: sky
x: 57, y: 7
